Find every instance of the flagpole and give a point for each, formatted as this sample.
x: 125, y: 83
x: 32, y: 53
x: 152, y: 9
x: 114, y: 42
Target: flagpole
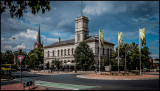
x: 139, y: 52
x: 99, y: 52
x: 118, y: 54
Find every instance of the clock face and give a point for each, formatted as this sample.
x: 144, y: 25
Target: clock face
x: 79, y: 24
x: 85, y: 24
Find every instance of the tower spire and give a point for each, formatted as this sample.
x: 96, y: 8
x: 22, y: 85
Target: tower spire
x: 39, y: 36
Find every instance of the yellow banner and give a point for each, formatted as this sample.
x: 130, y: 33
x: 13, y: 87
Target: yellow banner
x: 142, y: 36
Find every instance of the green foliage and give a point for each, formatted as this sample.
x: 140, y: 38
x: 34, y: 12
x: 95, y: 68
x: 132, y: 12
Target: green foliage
x: 106, y: 61
x: 18, y: 7
x: 56, y: 63
x: 35, y: 57
x: 132, y: 55
x: 7, y: 57
x: 84, y: 55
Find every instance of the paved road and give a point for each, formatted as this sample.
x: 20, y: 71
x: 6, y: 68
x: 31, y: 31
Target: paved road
x: 70, y: 80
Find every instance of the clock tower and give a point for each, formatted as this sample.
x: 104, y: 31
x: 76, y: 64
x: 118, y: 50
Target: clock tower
x: 81, y: 28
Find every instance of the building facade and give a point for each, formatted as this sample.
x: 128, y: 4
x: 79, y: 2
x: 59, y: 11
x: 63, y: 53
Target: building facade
x: 38, y: 43
x: 64, y: 50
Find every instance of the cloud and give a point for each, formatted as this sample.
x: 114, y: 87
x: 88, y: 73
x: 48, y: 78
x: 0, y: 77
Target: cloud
x: 154, y: 56
x: 96, y: 8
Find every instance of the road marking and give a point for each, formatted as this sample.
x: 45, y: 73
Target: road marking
x: 62, y: 85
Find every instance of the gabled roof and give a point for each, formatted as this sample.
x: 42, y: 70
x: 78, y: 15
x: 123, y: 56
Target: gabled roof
x: 65, y: 42
x: 72, y: 41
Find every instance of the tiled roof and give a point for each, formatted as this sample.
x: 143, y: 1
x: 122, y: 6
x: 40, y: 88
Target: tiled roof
x: 72, y: 41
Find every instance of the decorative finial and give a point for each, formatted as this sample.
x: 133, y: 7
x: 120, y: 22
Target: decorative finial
x: 81, y: 8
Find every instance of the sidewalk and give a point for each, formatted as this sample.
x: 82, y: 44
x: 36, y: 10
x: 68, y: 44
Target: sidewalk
x: 19, y: 86
x: 108, y: 77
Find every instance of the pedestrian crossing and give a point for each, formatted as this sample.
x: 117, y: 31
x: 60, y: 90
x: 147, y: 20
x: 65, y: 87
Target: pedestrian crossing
x: 64, y: 86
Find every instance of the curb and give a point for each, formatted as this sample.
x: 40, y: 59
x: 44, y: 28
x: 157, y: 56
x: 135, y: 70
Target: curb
x: 81, y: 76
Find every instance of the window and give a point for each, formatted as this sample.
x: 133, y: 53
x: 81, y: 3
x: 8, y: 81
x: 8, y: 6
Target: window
x: 65, y: 52
x: 61, y: 52
x: 48, y: 53
x: 53, y: 53
x: 58, y: 52
x: 108, y: 52
x: 98, y: 49
x: 103, y: 50
x: 72, y: 51
x: 68, y: 51
x: 65, y: 61
x: 72, y: 61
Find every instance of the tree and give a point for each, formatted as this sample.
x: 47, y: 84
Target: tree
x: 145, y: 57
x: 84, y: 55
x: 18, y: 7
x: 7, y: 57
x: 56, y: 63
x: 35, y: 57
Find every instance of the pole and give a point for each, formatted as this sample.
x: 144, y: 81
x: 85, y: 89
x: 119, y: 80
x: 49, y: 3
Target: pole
x: 99, y: 52
x: 118, y: 54
x: 20, y: 73
x: 139, y: 53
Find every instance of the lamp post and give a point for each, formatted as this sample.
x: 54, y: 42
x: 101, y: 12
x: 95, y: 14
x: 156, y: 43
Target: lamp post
x: 9, y: 38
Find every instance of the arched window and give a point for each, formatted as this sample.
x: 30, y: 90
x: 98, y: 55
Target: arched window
x: 58, y: 52
x: 61, y: 52
x: 72, y: 61
x: 53, y: 53
x: 68, y: 51
x: 65, y: 52
x: 68, y: 60
x: 103, y: 50
x: 72, y: 51
x: 111, y: 52
x: 48, y: 53
x: 108, y: 52
x: 98, y: 49
x: 65, y: 61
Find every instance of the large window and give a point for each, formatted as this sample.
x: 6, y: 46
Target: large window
x: 98, y: 49
x: 48, y: 53
x: 65, y: 52
x: 53, y: 53
x: 61, y: 52
x: 103, y: 51
x: 58, y: 52
x: 72, y: 51
x: 68, y: 51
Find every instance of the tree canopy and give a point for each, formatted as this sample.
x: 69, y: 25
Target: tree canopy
x: 18, y: 7
x: 84, y: 55
x: 132, y: 55
x: 35, y: 58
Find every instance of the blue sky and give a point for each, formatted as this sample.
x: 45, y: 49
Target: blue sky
x: 110, y: 16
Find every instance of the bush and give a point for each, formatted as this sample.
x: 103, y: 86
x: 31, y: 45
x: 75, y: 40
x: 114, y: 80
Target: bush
x: 115, y: 68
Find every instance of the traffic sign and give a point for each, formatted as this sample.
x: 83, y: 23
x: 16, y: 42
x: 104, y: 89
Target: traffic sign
x: 20, y: 58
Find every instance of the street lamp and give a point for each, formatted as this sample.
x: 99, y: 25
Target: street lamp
x: 8, y: 38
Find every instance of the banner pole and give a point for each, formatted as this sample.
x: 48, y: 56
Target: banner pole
x: 20, y: 73
x: 99, y: 52
x: 139, y: 52
x: 118, y: 54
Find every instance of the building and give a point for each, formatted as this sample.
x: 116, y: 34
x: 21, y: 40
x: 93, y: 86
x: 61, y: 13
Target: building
x: 64, y: 50
x: 38, y: 43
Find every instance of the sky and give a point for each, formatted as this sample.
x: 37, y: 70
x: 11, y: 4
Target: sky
x: 110, y: 16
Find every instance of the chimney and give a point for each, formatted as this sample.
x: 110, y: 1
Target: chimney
x: 96, y: 35
x: 59, y: 39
